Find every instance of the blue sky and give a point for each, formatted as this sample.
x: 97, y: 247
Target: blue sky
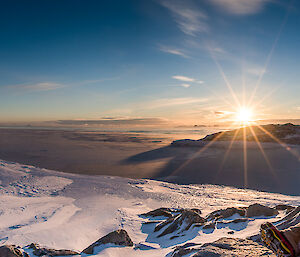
x: 184, y: 61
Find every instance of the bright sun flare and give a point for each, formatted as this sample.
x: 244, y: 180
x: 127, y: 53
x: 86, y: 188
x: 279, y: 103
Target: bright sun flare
x: 244, y: 115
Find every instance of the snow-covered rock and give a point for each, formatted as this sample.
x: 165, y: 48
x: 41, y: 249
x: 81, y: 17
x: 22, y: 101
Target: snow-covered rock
x: 118, y: 237
x: 12, y: 251
x: 225, y: 247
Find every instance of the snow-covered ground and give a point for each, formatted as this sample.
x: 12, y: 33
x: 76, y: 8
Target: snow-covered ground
x: 70, y: 211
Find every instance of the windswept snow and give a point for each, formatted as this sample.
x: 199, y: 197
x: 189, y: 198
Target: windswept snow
x: 72, y: 211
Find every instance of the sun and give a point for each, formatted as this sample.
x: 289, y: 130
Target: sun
x: 244, y: 115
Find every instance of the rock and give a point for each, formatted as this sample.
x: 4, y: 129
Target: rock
x: 182, y: 221
x: 225, y: 247
x: 196, y: 210
x: 260, y: 210
x: 230, y: 232
x: 41, y: 251
x: 211, y: 225
x: 284, y: 207
x: 11, y: 251
x: 166, y: 212
x: 118, y: 237
x: 226, y: 213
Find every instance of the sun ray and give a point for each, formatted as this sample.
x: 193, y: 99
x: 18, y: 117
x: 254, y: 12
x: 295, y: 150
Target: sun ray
x: 285, y: 146
x: 195, y: 155
x: 245, y: 157
x: 270, y: 54
x: 226, y: 154
x: 224, y: 78
x: 263, y: 153
x: 266, y: 96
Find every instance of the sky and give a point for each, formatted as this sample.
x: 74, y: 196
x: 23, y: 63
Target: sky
x: 148, y: 61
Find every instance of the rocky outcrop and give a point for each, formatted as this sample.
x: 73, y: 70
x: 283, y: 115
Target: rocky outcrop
x: 118, y: 237
x: 226, y: 213
x: 284, y: 207
x: 182, y: 221
x: 287, y: 133
x: 12, y: 251
x: 43, y: 251
x: 260, y: 210
x: 224, y: 247
x: 165, y: 212
x: 178, y: 221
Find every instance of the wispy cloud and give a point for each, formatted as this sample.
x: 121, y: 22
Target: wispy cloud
x: 172, y: 50
x: 188, y: 17
x: 187, y: 79
x: 240, y: 7
x: 42, y: 86
x: 185, y: 85
x: 183, y: 78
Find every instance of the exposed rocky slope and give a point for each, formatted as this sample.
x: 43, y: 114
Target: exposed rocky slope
x: 286, y: 133
x: 224, y: 247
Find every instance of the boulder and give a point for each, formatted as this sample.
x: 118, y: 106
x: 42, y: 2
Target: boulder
x: 11, y: 251
x: 118, y: 237
x: 226, y: 213
x: 225, y: 247
x: 41, y: 251
x: 260, y: 210
x: 284, y: 207
x: 211, y: 225
x: 182, y: 221
x: 165, y: 212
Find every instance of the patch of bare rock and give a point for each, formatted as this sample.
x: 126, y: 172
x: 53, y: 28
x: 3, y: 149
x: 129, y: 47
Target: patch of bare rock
x: 224, y: 247
x: 12, y: 251
x: 44, y: 251
x: 118, y: 237
x: 178, y: 221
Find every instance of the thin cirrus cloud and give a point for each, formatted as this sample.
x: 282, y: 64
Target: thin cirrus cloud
x: 42, y: 86
x: 190, y: 20
x: 185, y: 85
x: 240, y: 7
x: 174, y: 51
x: 183, y: 78
x: 187, y: 79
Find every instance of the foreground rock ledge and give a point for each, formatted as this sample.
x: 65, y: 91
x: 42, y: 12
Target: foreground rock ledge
x: 118, y: 237
x: 224, y: 247
x: 12, y: 251
x: 43, y: 251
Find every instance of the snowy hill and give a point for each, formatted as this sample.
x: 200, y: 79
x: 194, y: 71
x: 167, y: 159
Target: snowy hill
x: 70, y: 211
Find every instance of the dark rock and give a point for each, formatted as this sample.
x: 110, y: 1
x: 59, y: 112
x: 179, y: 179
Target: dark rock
x: 211, y: 225
x: 226, y: 213
x: 196, y: 210
x: 260, y: 210
x: 118, y: 237
x: 165, y: 212
x: 11, y: 251
x: 226, y: 247
x: 284, y: 207
x: 184, y: 221
x: 41, y: 251
x: 230, y: 232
